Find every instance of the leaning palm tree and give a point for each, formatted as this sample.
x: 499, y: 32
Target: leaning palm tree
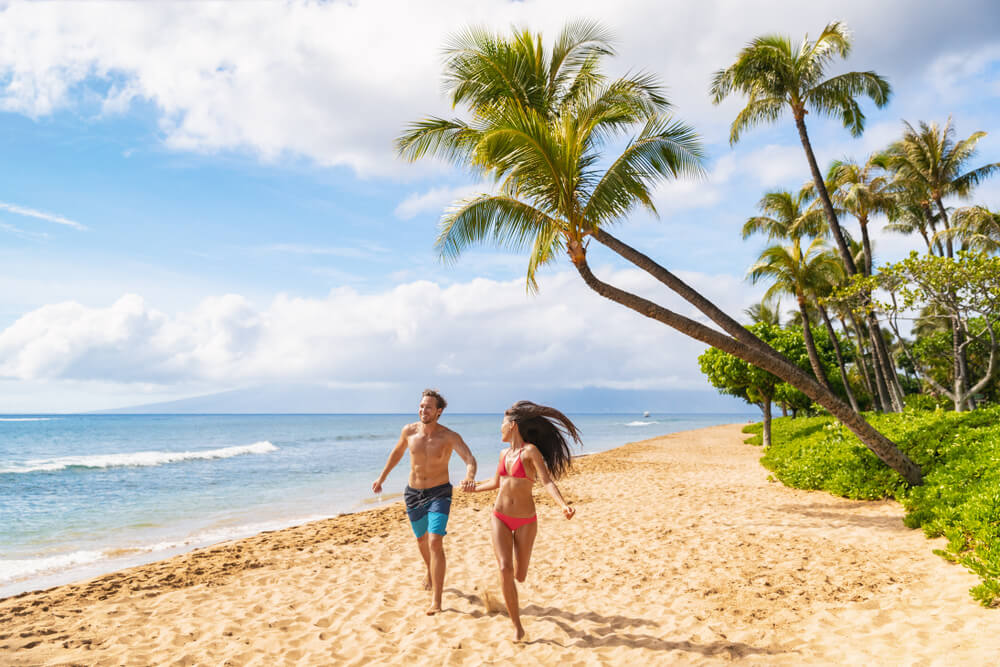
x: 797, y: 272
x: 777, y: 76
x: 929, y: 158
x: 863, y: 191
x: 537, y: 125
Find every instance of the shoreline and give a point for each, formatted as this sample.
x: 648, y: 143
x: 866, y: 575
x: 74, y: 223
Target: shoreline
x: 723, y: 566
x: 103, y: 553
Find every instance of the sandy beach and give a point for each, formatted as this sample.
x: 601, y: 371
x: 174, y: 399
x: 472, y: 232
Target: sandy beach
x: 682, y: 552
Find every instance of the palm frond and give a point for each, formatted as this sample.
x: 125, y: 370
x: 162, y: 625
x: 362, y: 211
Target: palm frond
x: 495, y: 219
x: 665, y: 148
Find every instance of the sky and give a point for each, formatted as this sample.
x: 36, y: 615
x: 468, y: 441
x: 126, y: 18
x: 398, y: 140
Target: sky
x: 203, y: 197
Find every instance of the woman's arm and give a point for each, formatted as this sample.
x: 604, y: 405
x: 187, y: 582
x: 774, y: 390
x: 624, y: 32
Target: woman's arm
x: 545, y: 478
x: 489, y: 484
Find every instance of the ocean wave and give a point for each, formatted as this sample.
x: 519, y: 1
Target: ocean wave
x: 137, y: 459
x: 641, y: 423
x: 27, y: 419
x: 15, y: 569
x: 22, y: 569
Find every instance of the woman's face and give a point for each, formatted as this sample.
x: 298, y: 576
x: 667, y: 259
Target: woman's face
x: 507, y: 428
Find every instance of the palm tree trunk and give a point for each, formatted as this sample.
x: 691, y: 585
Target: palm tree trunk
x: 824, y: 196
x: 866, y: 244
x: 881, y: 393
x: 947, y: 225
x: 840, y: 358
x: 877, y: 343
x: 885, y: 366
x: 765, y: 407
x: 862, y: 364
x: 811, y: 343
x: 686, y: 292
x: 773, y: 363
x: 930, y: 222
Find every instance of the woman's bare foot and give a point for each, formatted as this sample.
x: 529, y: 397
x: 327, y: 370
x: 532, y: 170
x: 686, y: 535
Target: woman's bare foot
x: 519, y: 634
x: 433, y: 610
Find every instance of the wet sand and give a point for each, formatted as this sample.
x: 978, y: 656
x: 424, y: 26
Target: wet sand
x: 682, y: 552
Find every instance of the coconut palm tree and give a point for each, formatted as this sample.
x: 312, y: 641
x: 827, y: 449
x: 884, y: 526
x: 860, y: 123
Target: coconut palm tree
x: 797, y: 272
x: 538, y: 123
x: 863, y: 191
x: 776, y: 75
x: 977, y: 227
x: 930, y: 159
x: 764, y: 313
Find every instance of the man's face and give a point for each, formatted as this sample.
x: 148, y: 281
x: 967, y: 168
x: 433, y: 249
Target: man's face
x: 428, y: 410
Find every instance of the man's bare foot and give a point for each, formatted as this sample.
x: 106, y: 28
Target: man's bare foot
x: 433, y: 610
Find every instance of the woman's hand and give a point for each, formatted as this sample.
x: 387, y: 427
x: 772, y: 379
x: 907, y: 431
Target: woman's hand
x: 569, y: 511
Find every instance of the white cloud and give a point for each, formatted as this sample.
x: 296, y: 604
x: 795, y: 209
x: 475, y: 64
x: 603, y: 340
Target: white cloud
x: 480, y: 329
x: 436, y: 200
x: 336, y: 82
x: 41, y: 215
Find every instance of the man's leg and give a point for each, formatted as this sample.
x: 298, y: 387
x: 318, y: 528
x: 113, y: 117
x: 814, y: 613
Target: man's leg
x: 436, y: 564
x: 425, y: 553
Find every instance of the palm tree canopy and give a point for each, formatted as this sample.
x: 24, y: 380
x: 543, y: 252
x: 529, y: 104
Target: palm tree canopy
x: 787, y: 216
x: 930, y: 159
x: 762, y: 312
x: 538, y: 121
x: 776, y: 74
x: 862, y: 190
x: 793, y: 271
x: 977, y: 227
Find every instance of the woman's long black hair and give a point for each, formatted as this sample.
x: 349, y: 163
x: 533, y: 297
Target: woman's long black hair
x: 547, y: 429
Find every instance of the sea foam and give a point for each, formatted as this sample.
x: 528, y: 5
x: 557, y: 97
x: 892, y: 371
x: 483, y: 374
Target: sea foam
x: 641, y: 423
x: 27, y: 419
x: 136, y: 458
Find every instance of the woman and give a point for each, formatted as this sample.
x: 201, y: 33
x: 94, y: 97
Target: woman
x: 538, y: 450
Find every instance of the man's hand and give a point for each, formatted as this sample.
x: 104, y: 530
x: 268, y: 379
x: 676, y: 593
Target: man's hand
x: 468, y: 484
x: 377, y: 486
x: 569, y: 511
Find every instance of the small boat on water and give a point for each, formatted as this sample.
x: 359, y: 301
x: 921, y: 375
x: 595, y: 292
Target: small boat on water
x: 646, y: 413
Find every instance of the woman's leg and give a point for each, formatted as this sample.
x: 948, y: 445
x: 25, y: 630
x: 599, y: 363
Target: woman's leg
x: 524, y: 540
x: 503, y: 548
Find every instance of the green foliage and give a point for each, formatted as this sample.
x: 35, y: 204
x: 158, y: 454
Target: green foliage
x: 958, y: 452
x: 736, y: 377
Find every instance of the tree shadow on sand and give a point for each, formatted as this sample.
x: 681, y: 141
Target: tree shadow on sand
x: 846, y: 514
x: 609, y: 632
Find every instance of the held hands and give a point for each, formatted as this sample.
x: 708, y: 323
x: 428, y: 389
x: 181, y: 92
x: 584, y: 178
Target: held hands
x: 468, y: 484
x: 569, y: 511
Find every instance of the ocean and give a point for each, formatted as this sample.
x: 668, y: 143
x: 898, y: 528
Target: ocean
x: 81, y: 495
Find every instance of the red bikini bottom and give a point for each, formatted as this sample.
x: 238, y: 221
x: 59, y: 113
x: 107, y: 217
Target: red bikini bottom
x: 513, y: 522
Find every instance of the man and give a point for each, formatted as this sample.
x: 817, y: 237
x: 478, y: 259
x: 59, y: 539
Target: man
x: 428, y: 493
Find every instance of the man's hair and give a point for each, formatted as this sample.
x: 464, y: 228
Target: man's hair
x: 433, y: 393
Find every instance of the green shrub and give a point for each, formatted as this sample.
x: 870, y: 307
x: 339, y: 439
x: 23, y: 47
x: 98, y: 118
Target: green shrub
x: 958, y: 452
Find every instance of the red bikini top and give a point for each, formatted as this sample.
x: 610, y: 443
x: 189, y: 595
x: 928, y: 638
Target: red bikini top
x: 518, y: 470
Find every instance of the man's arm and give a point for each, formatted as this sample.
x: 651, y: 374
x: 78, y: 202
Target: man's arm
x: 394, y: 457
x: 462, y: 449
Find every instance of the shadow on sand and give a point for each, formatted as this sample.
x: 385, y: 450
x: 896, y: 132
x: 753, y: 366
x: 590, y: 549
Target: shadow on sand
x: 610, y: 632
x: 846, y: 514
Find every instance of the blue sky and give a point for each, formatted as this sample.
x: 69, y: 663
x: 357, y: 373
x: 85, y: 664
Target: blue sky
x: 203, y: 197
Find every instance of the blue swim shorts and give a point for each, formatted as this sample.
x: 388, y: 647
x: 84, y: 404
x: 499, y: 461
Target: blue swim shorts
x: 428, y: 509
